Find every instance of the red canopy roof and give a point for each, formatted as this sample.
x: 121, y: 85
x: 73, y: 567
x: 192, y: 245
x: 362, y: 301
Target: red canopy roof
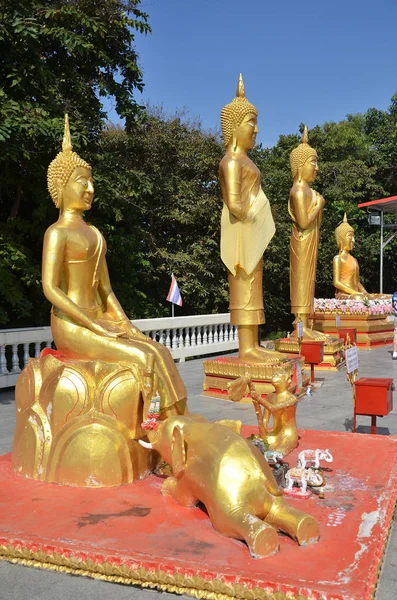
x: 385, y: 204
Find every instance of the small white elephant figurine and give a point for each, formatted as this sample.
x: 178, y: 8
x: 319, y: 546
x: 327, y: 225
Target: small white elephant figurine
x: 313, y: 457
x: 273, y: 456
x: 302, y: 476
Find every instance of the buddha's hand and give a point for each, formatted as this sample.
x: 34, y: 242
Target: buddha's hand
x: 99, y: 329
x: 132, y: 332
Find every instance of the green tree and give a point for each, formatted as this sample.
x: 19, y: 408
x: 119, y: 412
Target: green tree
x: 161, y: 207
x: 54, y: 57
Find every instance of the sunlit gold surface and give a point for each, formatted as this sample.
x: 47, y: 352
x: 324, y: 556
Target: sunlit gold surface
x: 346, y: 272
x: 90, y: 328
x: 306, y: 208
x: 247, y: 225
x: 232, y: 479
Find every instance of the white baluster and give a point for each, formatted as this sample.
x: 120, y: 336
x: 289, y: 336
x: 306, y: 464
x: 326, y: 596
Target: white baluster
x: 180, y: 338
x: 168, y: 339
x: 188, y: 340
x: 48, y: 344
x: 222, y: 333
x: 211, y: 334
x: 194, y: 336
x: 15, y: 360
x: 36, y: 349
x: 216, y: 334
x: 3, y: 361
x: 235, y: 333
x: 205, y: 335
x: 161, y: 336
x: 25, y: 354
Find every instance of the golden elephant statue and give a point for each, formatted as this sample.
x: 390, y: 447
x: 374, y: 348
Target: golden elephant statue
x: 213, y: 464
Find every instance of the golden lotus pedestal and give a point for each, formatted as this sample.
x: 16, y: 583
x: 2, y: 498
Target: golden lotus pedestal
x: 333, y: 351
x: 219, y: 373
x: 372, y: 330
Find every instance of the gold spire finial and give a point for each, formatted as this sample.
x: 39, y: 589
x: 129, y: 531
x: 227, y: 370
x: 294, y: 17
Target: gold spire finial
x: 66, y: 142
x: 305, y: 135
x: 344, y: 218
x: 240, y: 92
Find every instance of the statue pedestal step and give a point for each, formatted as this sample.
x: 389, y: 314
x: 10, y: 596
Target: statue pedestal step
x: 372, y: 330
x: 220, y: 372
x: 333, y: 352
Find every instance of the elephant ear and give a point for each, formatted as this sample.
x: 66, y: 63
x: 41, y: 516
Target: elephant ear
x: 178, y: 451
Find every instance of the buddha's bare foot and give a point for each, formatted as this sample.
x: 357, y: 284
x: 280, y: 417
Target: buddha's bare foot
x: 312, y: 335
x: 259, y: 354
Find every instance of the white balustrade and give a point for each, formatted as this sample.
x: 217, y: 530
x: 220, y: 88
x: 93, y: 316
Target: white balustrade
x: 185, y: 337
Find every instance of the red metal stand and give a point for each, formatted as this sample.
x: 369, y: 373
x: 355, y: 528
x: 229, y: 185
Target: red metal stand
x: 373, y: 398
x: 313, y: 353
x: 343, y: 332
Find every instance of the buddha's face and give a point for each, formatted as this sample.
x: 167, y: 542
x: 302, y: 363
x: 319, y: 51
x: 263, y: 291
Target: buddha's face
x: 348, y: 241
x: 310, y: 169
x: 245, y: 134
x: 78, y: 191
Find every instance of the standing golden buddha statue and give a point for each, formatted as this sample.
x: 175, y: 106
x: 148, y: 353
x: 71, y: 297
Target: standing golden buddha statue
x: 247, y: 225
x: 346, y: 272
x: 80, y: 408
x: 306, y: 208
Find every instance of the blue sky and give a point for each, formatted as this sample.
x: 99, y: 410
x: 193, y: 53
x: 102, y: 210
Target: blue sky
x: 301, y: 61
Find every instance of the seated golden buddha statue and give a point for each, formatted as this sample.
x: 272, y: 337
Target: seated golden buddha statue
x: 346, y: 271
x: 247, y: 226
x: 80, y: 408
x: 305, y: 207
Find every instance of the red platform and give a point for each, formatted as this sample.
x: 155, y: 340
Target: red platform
x: 132, y: 534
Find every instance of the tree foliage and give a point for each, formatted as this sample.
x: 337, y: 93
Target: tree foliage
x: 54, y: 57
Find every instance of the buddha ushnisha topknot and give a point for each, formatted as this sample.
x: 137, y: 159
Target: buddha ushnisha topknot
x: 301, y: 153
x: 63, y: 166
x: 233, y: 113
x: 342, y: 230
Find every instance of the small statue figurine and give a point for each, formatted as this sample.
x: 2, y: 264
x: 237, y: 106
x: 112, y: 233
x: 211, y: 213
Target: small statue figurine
x: 80, y: 408
x: 280, y: 404
x: 247, y: 226
x: 313, y: 457
x: 345, y: 267
x: 302, y: 477
x: 306, y: 208
x: 213, y: 464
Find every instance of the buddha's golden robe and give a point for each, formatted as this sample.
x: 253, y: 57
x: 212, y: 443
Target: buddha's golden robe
x: 303, y: 259
x: 247, y: 227
x: 349, y: 274
x: 79, y: 281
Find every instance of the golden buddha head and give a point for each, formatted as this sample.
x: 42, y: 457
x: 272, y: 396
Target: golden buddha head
x: 69, y: 177
x: 239, y: 120
x: 304, y: 160
x: 344, y: 235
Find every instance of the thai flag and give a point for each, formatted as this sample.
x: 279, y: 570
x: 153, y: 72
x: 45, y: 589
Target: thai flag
x: 174, y: 294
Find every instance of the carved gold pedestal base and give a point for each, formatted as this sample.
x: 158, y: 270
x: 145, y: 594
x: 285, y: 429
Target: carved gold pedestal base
x: 372, y: 330
x: 79, y: 422
x: 333, y: 351
x: 220, y: 372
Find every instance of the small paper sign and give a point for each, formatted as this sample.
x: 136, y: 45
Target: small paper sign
x: 299, y: 375
x: 337, y: 321
x: 300, y: 329
x: 351, y: 356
